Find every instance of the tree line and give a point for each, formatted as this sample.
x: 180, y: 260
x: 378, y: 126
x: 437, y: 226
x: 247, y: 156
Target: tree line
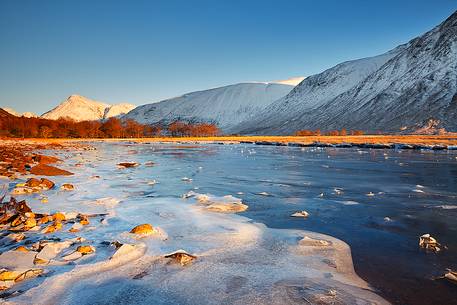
x: 22, y: 127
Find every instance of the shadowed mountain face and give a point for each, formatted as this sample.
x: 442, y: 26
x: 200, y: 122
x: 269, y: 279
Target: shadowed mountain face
x: 226, y: 106
x: 402, y: 89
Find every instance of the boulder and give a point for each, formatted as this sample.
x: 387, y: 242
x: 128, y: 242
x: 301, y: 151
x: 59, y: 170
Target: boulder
x: 67, y: 187
x: 47, y: 170
x: 182, y: 257
x: 143, y: 229
x: 428, y: 242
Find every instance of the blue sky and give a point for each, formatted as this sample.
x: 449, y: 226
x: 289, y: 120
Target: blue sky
x: 145, y: 51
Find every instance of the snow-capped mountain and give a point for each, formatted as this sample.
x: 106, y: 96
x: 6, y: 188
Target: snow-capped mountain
x: 404, y: 87
x: 226, y: 106
x: 80, y: 108
x: 15, y: 113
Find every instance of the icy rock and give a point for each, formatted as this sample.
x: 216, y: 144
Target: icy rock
x: 107, y: 201
x: 59, y: 217
x: 451, y: 276
x: 67, y: 187
x: 303, y: 214
x: 264, y: 194
x: 182, y: 257
x: 52, y: 249
x: 427, y: 242
x: 56, y: 226
x: 127, y: 164
x: 224, y: 204
x: 312, y: 242
x: 123, y: 250
x: 85, y: 249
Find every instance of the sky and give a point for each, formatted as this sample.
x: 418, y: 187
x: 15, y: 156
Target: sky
x: 145, y: 51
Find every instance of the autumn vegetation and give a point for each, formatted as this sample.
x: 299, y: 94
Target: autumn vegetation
x: 317, y: 132
x: 22, y: 127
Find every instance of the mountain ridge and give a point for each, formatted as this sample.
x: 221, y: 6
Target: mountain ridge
x: 416, y: 82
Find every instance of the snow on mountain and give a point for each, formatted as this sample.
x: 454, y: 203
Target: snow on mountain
x: 293, y: 81
x: 226, y: 106
x: 407, y: 86
x: 29, y: 115
x: 11, y: 111
x: 5, y: 113
x: 15, y: 113
x: 80, y: 108
x: 117, y: 110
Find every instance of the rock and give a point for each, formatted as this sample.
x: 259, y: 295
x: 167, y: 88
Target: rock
x: 32, y: 182
x: 51, y: 249
x: 29, y: 274
x: 127, y: 164
x: 84, y: 250
x: 22, y: 249
x: 303, y: 214
x: 224, y: 204
x: 6, y: 275
x: 70, y: 215
x: 122, y: 250
x: 47, y: 170
x: 67, y: 187
x: 44, y: 219
x: 45, y: 159
x: 143, y: 229
x: 451, y: 276
x: 181, y: 257
x: 312, y: 242
x: 46, y: 184
x: 56, y: 226
x: 84, y: 220
x: 17, y: 237
x: 427, y: 242
x: 58, y: 217
x: 149, y: 163
x: 29, y: 223
x: 24, y: 190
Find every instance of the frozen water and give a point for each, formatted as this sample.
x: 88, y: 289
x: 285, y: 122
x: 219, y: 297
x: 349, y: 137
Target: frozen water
x: 252, y: 257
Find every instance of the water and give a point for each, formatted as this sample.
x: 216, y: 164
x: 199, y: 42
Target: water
x: 377, y: 201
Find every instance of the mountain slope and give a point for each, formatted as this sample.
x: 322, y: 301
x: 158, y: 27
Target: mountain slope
x: 6, y: 113
x: 402, y: 88
x: 225, y: 106
x: 80, y: 108
x: 15, y: 113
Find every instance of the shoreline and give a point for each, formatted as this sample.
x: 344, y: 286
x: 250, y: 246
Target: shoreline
x: 416, y: 142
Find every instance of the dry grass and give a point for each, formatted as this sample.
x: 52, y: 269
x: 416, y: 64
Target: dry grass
x: 379, y: 139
